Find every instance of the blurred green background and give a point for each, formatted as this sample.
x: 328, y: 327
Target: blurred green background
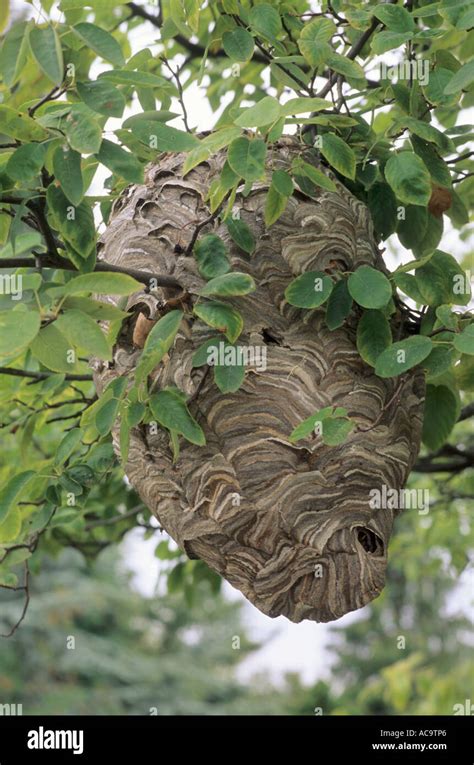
x: 179, y: 652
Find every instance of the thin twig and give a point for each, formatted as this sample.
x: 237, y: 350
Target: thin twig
x: 26, y: 588
x: 175, y: 75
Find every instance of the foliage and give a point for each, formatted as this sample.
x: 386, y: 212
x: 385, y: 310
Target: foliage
x: 397, y: 142
x: 106, y: 649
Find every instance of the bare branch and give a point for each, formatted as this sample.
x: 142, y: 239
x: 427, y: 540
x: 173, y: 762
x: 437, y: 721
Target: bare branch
x: 49, y: 260
x: 40, y: 375
x: 26, y: 589
x: 466, y: 412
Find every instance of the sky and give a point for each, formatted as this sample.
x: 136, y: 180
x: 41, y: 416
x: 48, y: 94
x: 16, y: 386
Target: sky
x: 287, y: 647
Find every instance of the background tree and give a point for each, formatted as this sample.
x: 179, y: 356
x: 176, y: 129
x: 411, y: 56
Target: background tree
x: 93, y: 645
x: 399, y: 146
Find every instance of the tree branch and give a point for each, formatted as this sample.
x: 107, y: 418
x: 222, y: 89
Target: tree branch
x: 460, y: 460
x: 354, y: 51
x: 49, y: 260
x: 26, y: 589
x: 197, y: 51
x: 39, y: 375
x: 466, y: 412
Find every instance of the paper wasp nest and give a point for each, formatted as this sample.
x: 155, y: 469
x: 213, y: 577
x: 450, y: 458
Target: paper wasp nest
x: 289, y: 525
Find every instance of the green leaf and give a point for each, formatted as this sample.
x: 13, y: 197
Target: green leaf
x: 95, y: 308
x: 241, y: 234
x: 164, y: 332
x: 440, y: 415
x: 434, y: 89
x: 106, y: 414
x: 171, y: 412
x: 313, y: 425
x: 135, y: 79
x: 235, y: 283
x: 103, y: 283
x: 446, y: 317
x: 339, y: 155
x: 384, y: 41
x: 158, y: 342
x: 394, y: 17
x: 26, y: 162
x: 82, y: 332
x: 429, y: 133
x: 46, y: 49
x: 275, y: 205
x: 383, y: 209
x: 437, y: 167
x: 20, y: 126
x: 163, y: 137
x: 13, y: 52
x: 206, y: 351
x: 335, y: 430
x: 303, y: 104
x: 149, y: 116
x: 344, y: 65
x: 369, y: 288
x: 238, y: 44
x: 464, y: 342
x: 124, y: 440
x: 373, y: 336
x: 211, y: 255
x: 230, y: 376
x: 121, y: 162
x: 83, y: 132
x: 282, y: 182
x: 100, y: 41
x: 264, y: 112
x: 412, y: 264
x: 246, y: 158
x: 409, y: 178
x: 222, y: 317
x: 67, y: 446
x: 75, y: 223
x: 313, y: 40
x: 31, y: 281
x: 102, y: 97
x: 135, y: 413
x: 17, y: 329
x: 315, y: 176
x: 408, y: 285
x: 52, y: 349
x: 431, y: 238
x: 11, y: 526
x: 412, y: 229
x: 443, y: 281
x: 461, y: 80
x: 4, y: 16
x: 67, y: 170
x: 464, y: 373
x: 404, y: 355
x: 309, y: 290
x: 11, y: 492
x: 265, y: 19
x: 439, y: 361
x: 339, y: 305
